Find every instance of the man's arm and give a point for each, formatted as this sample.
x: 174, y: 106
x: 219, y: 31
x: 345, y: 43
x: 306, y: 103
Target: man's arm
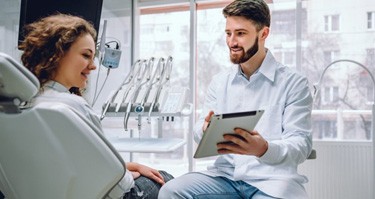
x: 296, y: 139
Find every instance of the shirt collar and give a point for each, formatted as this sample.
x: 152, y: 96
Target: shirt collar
x: 55, y: 86
x: 267, y: 68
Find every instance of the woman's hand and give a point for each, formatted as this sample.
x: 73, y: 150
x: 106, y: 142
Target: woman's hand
x: 135, y: 174
x: 139, y: 169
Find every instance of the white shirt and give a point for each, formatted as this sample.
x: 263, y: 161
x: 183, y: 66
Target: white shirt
x: 55, y: 92
x: 285, y: 124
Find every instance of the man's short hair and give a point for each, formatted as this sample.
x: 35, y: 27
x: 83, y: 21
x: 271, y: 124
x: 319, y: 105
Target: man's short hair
x: 256, y: 11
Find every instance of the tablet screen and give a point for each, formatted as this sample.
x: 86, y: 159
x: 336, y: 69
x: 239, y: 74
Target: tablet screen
x: 225, y: 124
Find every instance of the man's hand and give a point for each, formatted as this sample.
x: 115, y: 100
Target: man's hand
x: 207, y: 120
x: 244, y: 143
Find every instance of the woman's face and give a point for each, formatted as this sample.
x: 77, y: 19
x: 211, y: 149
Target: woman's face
x: 76, y: 64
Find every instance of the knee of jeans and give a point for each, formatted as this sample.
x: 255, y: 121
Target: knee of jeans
x: 167, y: 177
x: 168, y: 190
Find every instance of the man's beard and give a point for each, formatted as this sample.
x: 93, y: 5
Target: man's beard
x: 245, y: 56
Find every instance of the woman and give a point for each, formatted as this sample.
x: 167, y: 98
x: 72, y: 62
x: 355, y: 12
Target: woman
x: 59, y: 50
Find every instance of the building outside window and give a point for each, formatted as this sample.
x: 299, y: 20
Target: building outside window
x: 330, y: 94
x: 370, y: 57
x: 286, y: 57
x: 330, y: 56
x: 332, y: 23
x: 371, y: 20
x: 370, y: 95
x: 285, y: 23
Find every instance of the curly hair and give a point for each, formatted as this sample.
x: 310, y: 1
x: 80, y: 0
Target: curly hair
x: 48, y: 39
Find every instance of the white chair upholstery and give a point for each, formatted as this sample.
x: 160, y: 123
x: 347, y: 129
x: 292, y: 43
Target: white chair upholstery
x: 49, y: 150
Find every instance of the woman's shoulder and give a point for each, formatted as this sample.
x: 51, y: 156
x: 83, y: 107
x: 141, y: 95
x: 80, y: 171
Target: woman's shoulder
x: 50, y: 95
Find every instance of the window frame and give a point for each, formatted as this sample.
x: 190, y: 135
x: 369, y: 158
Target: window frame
x: 370, y: 20
x: 330, y: 23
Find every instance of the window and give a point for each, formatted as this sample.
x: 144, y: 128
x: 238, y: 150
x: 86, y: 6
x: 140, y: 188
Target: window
x: 326, y: 128
x: 331, y: 23
x: 167, y: 34
x: 370, y: 63
x: 370, y: 57
x: 370, y: 94
x: 330, y: 56
x: 213, y: 54
x: 286, y: 57
x: 371, y: 20
x: 329, y: 129
x: 285, y: 22
x: 331, y: 94
x: 147, y: 29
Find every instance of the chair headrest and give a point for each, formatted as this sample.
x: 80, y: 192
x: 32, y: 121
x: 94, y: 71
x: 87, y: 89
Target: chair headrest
x: 16, y: 81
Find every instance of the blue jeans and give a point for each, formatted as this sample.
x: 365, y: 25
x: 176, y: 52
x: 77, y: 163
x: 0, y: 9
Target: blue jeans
x: 201, y: 186
x: 146, y: 188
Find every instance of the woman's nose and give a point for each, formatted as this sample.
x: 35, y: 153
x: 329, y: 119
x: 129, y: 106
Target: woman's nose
x: 92, y: 66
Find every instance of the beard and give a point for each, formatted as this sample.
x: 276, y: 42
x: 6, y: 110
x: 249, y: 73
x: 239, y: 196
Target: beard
x: 244, y: 56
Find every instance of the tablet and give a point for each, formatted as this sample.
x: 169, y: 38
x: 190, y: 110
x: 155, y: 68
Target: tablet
x: 225, y: 124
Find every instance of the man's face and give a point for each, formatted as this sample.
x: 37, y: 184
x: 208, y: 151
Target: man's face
x: 241, y: 38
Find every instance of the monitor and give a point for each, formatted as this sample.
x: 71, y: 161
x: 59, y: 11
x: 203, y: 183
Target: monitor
x: 32, y: 10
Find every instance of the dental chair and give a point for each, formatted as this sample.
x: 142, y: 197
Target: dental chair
x: 49, y: 151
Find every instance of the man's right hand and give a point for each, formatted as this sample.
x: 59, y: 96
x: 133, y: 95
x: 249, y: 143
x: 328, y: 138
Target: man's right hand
x: 207, y: 121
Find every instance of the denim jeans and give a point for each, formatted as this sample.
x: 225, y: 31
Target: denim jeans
x: 146, y: 188
x: 201, y: 186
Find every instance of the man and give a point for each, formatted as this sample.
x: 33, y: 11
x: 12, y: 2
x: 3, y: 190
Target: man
x: 263, y: 163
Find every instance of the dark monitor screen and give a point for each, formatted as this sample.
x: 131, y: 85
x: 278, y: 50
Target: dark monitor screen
x: 32, y: 10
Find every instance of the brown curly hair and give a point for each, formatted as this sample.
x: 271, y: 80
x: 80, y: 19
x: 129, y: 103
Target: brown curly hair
x: 48, y: 39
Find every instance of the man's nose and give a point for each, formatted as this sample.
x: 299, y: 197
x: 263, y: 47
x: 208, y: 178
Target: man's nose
x: 232, y: 41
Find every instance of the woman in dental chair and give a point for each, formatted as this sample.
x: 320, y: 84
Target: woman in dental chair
x: 59, y: 50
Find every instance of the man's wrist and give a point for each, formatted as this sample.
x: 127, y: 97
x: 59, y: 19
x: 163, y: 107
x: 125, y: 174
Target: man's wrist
x: 264, y: 149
